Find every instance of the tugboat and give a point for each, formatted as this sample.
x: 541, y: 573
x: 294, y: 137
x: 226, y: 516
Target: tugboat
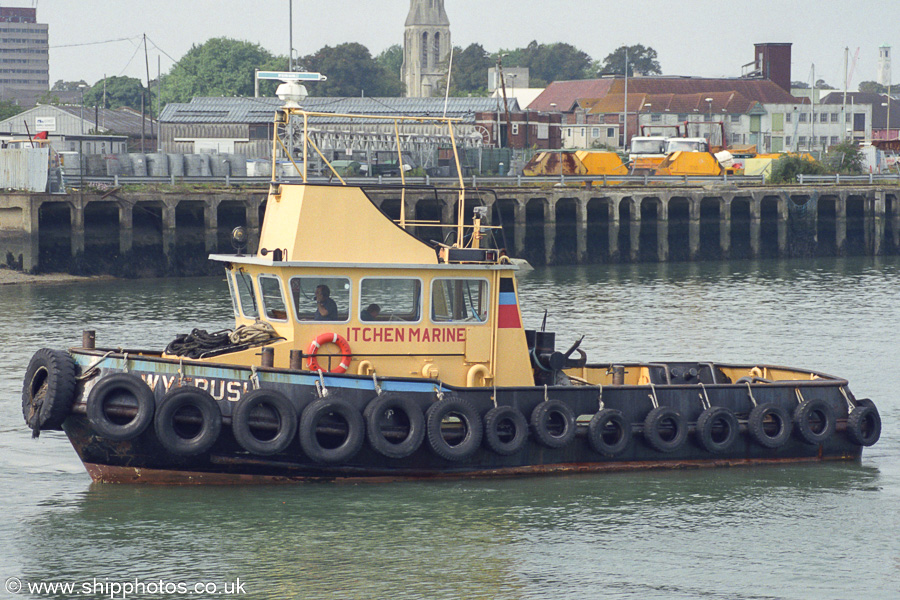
x: 386, y: 357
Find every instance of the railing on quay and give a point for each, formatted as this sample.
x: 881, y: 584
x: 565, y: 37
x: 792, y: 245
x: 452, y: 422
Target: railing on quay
x: 871, y: 178
x: 473, y: 180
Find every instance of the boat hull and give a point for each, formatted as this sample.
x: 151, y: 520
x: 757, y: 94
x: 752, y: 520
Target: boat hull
x: 144, y: 459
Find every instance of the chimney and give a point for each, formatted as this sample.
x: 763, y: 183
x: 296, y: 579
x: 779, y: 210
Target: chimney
x: 773, y: 62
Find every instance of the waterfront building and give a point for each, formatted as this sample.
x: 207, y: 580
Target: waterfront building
x: 24, y: 56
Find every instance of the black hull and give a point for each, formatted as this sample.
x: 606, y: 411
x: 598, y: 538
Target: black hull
x: 145, y: 459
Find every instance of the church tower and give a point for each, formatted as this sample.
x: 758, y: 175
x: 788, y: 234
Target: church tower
x: 426, y: 45
x: 884, y: 65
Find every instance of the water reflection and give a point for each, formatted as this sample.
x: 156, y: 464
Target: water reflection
x: 498, y: 539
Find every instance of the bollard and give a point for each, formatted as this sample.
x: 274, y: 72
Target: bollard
x: 618, y: 375
x: 268, y: 357
x: 297, y: 360
x: 89, y: 339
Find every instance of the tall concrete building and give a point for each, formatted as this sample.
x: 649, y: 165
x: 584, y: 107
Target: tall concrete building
x: 24, y: 56
x: 884, y: 65
x: 426, y: 45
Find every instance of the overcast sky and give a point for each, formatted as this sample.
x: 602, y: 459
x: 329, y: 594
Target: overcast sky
x: 692, y: 37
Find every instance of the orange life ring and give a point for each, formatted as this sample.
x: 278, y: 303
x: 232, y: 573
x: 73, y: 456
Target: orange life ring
x: 329, y: 338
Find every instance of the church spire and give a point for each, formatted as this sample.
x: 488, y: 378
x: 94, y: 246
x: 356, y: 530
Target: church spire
x: 427, y: 12
x: 426, y: 47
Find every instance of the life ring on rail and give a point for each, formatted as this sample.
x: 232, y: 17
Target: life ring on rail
x: 48, y: 390
x: 120, y: 407
x: 329, y: 338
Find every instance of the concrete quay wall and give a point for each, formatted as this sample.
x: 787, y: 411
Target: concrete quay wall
x: 157, y: 233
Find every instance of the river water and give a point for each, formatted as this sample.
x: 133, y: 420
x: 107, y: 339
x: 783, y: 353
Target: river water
x: 814, y: 531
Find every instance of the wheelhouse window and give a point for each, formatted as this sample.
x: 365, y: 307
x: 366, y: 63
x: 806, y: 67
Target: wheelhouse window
x: 244, y: 284
x: 395, y: 299
x: 229, y: 277
x: 459, y: 300
x: 272, y: 297
x: 321, y: 298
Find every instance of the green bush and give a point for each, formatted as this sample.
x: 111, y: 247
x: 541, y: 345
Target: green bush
x: 786, y: 168
x: 845, y: 158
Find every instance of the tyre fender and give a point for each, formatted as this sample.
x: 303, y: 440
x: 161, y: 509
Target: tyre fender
x: 191, y: 438
x: 717, y: 429
x: 263, y: 404
x: 469, y: 419
x: 406, y: 411
x: 48, y: 390
x: 330, y: 408
x: 660, y: 419
x: 609, y: 433
x: 553, y: 423
x: 125, y: 390
x: 505, y: 430
x: 769, y: 425
x: 814, y: 421
x: 864, y: 424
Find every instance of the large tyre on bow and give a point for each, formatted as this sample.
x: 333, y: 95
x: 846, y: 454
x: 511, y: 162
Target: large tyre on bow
x: 665, y: 429
x: 553, y: 423
x: 814, y: 421
x: 395, y: 425
x: 462, y: 424
x: 717, y: 429
x: 188, y: 421
x: 331, y: 430
x: 264, y: 422
x: 48, y: 390
x: 769, y: 425
x: 505, y: 430
x: 120, y: 407
x: 864, y: 423
x: 609, y: 433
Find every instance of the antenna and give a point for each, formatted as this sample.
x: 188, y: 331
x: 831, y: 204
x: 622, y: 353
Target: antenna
x: 449, y: 71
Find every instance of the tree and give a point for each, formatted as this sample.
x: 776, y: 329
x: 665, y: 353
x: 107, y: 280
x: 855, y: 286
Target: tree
x: 872, y: 87
x: 470, y: 70
x: 119, y: 91
x: 391, y: 60
x: 846, y: 158
x: 218, y: 67
x: 821, y: 85
x: 68, y: 86
x: 549, y: 62
x: 800, y: 85
x: 786, y: 168
x: 9, y: 108
x: 351, y: 71
x: 640, y: 60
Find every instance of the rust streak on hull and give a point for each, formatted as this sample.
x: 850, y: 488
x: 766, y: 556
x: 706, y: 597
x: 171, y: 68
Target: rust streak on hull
x: 114, y: 474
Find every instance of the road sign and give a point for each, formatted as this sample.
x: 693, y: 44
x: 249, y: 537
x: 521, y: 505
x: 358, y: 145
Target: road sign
x: 290, y: 76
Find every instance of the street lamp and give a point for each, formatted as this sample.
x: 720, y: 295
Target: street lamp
x: 888, y: 105
x: 81, y: 87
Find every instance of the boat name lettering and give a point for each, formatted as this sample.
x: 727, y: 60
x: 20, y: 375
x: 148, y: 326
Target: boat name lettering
x: 406, y: 334
x: 219, y: 389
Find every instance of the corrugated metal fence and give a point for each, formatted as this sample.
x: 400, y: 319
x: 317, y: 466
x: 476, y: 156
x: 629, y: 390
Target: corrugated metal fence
x: 24, y: 169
